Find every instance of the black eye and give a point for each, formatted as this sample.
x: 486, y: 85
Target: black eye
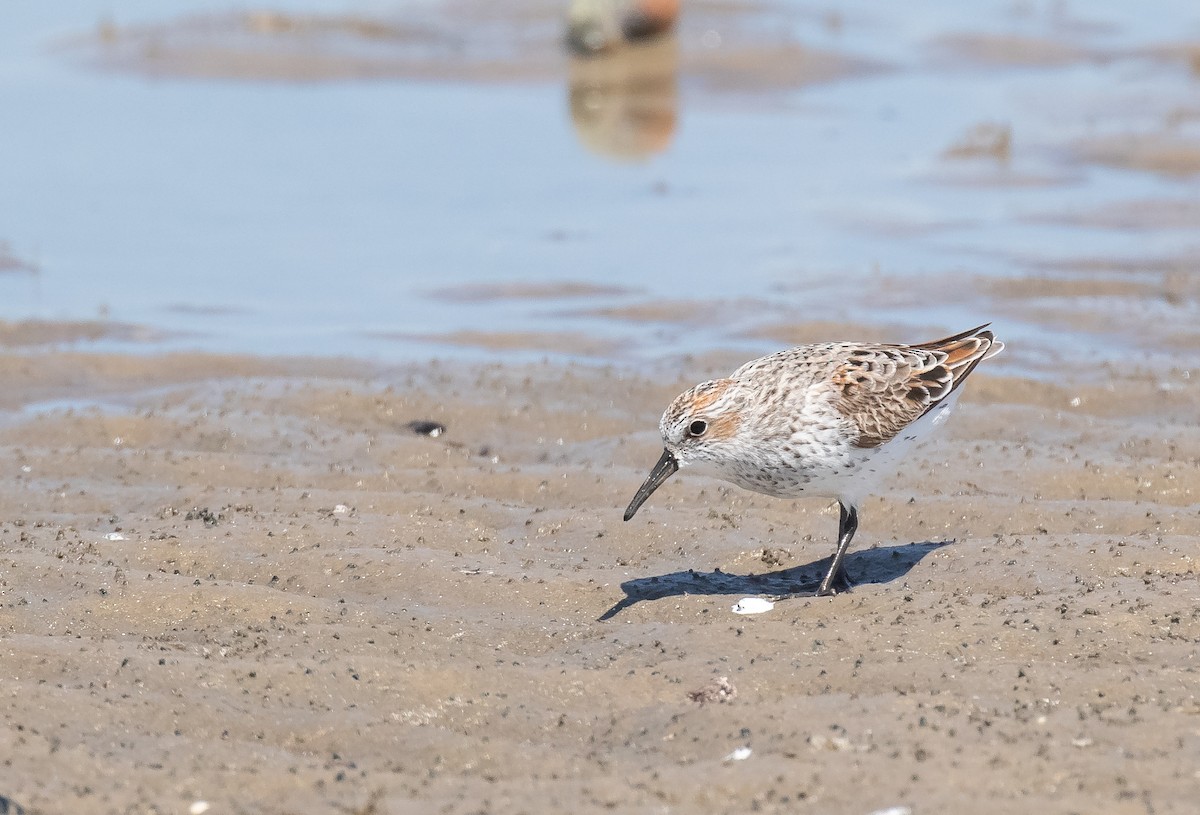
x: 698, y: 428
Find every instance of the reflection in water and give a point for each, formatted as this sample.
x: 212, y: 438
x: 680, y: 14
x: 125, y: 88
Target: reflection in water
x: 624, y: 103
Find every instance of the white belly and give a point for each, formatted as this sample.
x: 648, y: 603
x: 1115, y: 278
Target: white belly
x: 872, y: 464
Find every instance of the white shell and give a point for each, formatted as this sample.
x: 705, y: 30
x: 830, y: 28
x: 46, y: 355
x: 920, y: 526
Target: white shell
x: 752, y: 605
x: 740, y: 754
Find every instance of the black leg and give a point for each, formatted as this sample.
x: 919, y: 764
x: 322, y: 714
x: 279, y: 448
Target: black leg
x: 836, y: 580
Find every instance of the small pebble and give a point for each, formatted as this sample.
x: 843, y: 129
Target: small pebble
x: 719, y: 690
x: 423, y: 427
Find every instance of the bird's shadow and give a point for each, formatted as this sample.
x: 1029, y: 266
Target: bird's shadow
x: 880, y: 565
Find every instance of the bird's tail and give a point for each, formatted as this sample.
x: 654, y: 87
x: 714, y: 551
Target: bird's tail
x: 964, y: 351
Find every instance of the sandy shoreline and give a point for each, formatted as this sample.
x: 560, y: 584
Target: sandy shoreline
x: 243, y: 581
x: 247, y: 583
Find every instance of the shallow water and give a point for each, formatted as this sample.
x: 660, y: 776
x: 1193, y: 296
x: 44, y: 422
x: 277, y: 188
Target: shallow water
x: 348, y: 218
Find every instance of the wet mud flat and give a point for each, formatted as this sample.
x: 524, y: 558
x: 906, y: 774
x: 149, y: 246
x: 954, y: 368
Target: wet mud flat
x: 249, y: 582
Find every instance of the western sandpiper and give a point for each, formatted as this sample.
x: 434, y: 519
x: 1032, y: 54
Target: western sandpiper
x: 825, y: 420
x: 595, y: 26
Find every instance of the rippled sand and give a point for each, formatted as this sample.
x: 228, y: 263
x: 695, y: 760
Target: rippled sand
x: 244, y: 581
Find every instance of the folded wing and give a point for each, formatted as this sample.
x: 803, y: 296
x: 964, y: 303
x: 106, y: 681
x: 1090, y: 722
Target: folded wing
x: 885, y: 388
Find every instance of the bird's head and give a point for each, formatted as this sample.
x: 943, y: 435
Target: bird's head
x: 697, y: 430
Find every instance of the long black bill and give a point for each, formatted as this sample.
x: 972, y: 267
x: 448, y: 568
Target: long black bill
x: 664, y: 469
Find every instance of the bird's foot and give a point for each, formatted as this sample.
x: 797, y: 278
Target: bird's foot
x: 838, y: 584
